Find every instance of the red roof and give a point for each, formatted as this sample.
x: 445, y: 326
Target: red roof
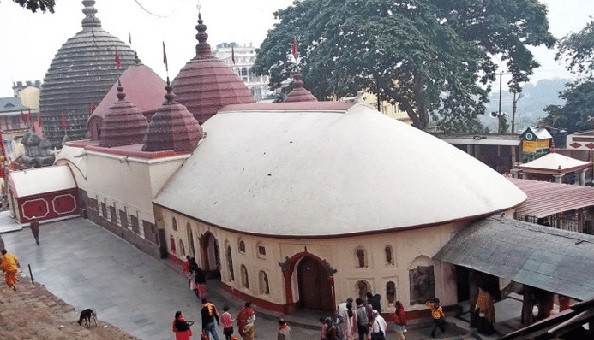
x: 205, y: 84
x: 124, y: 123
x: 299, y: 92
x: 172, y: 127
x: 144, y: 88
x: 546, y: 198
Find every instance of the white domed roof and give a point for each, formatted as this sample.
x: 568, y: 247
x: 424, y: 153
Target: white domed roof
x: 324, y: 173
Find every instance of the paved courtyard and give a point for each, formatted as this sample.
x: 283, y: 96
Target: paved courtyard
x: 88, y: 267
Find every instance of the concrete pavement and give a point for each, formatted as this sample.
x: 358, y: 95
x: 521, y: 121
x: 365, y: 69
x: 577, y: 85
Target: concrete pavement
x: 88, y: 267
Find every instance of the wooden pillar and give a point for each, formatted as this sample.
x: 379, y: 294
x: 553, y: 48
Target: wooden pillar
x: 473, y: 280
x: 527, y: 318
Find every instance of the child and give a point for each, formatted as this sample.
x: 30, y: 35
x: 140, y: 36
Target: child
x: 438, y: 316
x: 227, y: 322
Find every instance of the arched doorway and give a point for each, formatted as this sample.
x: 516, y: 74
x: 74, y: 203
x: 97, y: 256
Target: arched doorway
x: 210, y: 255
x: 315, y: 291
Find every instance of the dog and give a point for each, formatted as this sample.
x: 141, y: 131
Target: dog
x: 88, y: 316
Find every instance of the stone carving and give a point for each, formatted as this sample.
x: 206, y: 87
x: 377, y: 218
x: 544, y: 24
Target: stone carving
x: 422, y: 284
x: 37, y: 152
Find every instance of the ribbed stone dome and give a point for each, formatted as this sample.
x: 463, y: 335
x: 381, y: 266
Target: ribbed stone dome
x: 172, y: 127
x: 299, y: 93
x: 205, y: 84
x: 82, y: 71
x: 124, y: 124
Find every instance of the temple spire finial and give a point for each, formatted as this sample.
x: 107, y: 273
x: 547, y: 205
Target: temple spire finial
x: 203, y: 50
x: 170, y: 96
x: 89, y: 11
x: 121, y: 95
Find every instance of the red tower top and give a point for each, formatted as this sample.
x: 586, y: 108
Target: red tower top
x: 123, y: 124
x: 205, y: 84
x: 299, y: 93
x: 172, y: 127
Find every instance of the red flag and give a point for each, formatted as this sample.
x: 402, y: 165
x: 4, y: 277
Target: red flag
x: 165, y: 58
x: 91, y: 107
x: 117, y: 59
x: 294, y: 49
x: 233, y: 55
x: 30, y: 118
x: 64, y: 122
x: 39, y: 119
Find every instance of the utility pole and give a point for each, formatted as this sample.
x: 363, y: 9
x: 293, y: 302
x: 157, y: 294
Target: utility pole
x: 499, y: 114
x: 515, y: 100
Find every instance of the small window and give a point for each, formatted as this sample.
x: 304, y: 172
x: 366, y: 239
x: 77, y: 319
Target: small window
x: 182, y: 249
x: 361, y: 257
x: 261, y: 250
x: 263, y: 278
x: 174, y: 223
x: 241, y: 246
x: 245, y: 280
x: 362, y: 287
x: 172, y: 249
x: 391, y: 292
x: 230, y: 263
x: 389, y: 255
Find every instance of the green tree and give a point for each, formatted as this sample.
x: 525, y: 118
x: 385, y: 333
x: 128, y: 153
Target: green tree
x: 430, y: 56
x: 578, y: 109
x: 34, y: 5
x: 577, y: 49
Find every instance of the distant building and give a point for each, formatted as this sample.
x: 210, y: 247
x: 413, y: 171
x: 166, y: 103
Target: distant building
x: 391, y: 110
x: 245, y: 56
x: 19, y: 85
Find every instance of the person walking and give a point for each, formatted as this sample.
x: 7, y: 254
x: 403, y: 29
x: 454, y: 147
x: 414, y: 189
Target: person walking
x: 9, y: 266
x: 324, y: 332
x: 362, y: 319
x: 378, y: 327
x: 284, y: 331
x: 438, y: 316
x: 208, y: 315
x: 245, y: 322
x: 485, y: 308
x: 180, y: 327
x: 227, y: 322
x: 399, y: 321
x: 34, y: 224
x: 348, y: 322
x: 200, y: 282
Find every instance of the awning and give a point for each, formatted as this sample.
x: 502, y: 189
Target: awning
x: 546, y: 199
x: 552, y: 259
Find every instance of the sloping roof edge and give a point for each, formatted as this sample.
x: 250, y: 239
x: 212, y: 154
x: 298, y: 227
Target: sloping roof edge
x: 552, y: 259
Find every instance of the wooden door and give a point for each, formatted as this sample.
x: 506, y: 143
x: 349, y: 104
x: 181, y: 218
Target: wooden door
x: 314, y: 290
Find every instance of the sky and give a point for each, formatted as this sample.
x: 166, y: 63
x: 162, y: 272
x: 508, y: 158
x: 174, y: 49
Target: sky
x: 30, y: 40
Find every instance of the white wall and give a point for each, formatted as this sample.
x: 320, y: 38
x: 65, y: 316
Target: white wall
x: 340, y: 254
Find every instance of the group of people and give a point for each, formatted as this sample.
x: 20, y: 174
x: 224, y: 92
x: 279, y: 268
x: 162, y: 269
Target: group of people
x: 362, y: 320
x: 210, y: 319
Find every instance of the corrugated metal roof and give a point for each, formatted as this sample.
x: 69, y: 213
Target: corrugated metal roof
x: 11, y: 104
x: 546, y: 199
x: 552, y: 259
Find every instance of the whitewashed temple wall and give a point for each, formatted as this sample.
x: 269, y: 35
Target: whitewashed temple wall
x: 410, y: 248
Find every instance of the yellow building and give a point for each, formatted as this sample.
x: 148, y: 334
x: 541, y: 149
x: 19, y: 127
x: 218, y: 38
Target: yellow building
x: 387, y: 108
x: 30, y: 97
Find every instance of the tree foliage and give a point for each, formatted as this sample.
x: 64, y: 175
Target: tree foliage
x: 433, y: 57
x: 577, y: 49
x: 574, y: 115
x: 34, y: 5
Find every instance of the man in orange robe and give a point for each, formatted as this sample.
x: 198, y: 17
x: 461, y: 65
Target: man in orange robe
x: 9, y: 266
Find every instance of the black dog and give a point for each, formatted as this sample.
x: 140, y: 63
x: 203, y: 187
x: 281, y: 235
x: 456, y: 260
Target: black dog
x: 87, y: 315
